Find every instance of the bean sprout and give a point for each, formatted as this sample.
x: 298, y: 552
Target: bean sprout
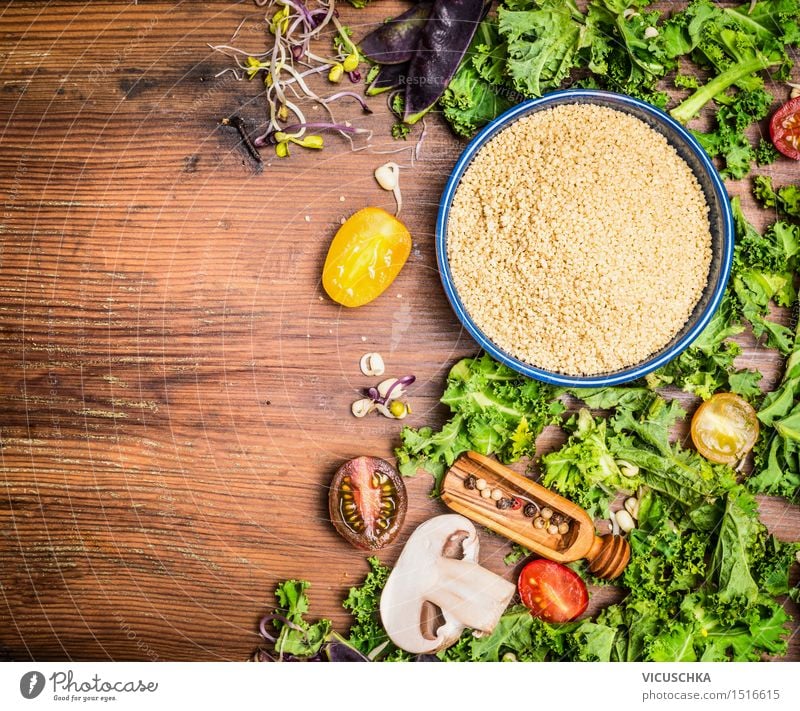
x: 293, y: 26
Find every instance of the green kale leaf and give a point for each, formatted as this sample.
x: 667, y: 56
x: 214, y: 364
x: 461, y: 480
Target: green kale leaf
x: 584, y: 470
x: 786, y: 199
x: 736, y: 48
x: 495, y: 410
x: 363, y: 602
x: 728, y: 140
x: 476, y: 93
x: 543, y: 44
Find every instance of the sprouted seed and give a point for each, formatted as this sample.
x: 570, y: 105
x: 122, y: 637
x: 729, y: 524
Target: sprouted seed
x: 293, y: 26
x: 388, y: 177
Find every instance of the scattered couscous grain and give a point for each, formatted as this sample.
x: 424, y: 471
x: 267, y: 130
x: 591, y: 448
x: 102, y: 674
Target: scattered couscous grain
x: 579, y: 240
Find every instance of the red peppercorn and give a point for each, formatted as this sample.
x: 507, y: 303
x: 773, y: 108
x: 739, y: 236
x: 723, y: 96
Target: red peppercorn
x: 516, y: 504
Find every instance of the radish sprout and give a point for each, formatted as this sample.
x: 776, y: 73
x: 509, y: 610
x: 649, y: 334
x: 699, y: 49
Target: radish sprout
x: 294, y: 26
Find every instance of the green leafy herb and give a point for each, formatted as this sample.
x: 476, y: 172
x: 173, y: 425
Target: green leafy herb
x: 666, y: 562
x: 475, y: 94
x: 517, y: 554
x: 585, y: 469
x: 400, y: 130
x: 737, y: 538
x: 363, y: 602
x: 706, y: 630
x: 542, y: 42
x: 786, y: 199
x: 776, y: 469
x: 625, y: 52
x: 766, y: 153
x: 495, y: 410
x: 733, y: 44
x: 728, y: 139
x: 763, y: 274
x: 300, y: 639
x: 640, y: 439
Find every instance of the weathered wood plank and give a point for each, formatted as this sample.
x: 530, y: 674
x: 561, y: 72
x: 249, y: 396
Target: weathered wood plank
x: 176, y: 389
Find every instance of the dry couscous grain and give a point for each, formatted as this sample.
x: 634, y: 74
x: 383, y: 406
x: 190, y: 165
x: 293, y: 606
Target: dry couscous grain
x: 579, y: 240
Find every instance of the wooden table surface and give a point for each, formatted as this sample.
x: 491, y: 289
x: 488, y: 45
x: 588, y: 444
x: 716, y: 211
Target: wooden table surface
x: 175, y: 386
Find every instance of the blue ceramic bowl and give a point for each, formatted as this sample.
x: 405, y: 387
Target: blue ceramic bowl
x: 720, y: 218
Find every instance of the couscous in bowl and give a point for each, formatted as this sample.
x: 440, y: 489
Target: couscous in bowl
x: 584, y: 255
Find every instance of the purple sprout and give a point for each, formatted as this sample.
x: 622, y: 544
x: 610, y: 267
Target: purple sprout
x: 375, y: 396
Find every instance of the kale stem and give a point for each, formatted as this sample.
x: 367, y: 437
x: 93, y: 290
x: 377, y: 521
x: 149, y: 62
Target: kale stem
x: 689, y: 108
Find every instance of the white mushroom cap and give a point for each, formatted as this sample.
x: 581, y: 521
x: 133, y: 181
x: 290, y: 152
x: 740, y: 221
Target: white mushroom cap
x: 437, y: 588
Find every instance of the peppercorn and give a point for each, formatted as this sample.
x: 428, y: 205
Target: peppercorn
x: 530, y: 510
x: 516, y: 504
x: 470, y: 481
x: 503, y: 504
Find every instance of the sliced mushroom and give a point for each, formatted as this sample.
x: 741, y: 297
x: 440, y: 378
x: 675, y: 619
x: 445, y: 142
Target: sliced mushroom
x: 438, y: 588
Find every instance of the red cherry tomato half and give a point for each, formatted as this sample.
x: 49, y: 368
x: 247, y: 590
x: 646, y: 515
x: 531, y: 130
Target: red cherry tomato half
x: 784, y: 129
x: 552, y: 592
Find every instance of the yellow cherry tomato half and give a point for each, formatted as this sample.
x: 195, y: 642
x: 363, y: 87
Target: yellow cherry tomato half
x: 724, y: 428
x: 365, y: 256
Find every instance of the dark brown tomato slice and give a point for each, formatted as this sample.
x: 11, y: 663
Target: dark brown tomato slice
x: 367, y: 502
x: 784, y: 129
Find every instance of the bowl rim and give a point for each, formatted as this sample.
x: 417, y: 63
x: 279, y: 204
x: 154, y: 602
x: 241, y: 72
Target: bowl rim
x: 627, y: 374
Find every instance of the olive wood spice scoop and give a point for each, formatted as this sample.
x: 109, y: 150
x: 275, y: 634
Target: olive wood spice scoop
x: 537, y: 518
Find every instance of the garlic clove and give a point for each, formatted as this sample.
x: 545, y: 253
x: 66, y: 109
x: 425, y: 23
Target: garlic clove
x: 627, y: 469
x: 385, y: 385
x: 632, y: 506
x: 624, y: 520
x: 372, y: 364
x: 362, y: 408
x: 388, y: 176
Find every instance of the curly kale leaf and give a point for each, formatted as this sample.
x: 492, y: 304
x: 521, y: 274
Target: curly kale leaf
x: 666, y: 562
x: 776, y: 470
x: 622, y: 54
x: 786, y: 199
x: 543, y: 42
x: 728, y: 139
x: 707, y: 630
x: 584, y: 469
x: 763, y: 270
x: 363, y: 602
x: 494, y: 411
x: 476, y: 93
